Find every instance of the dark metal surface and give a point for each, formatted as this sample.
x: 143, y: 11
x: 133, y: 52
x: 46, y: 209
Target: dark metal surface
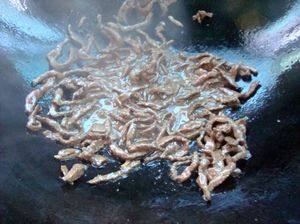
x: 264, y: 34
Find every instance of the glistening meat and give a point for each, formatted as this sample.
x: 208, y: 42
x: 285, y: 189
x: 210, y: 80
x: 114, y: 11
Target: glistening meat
x: 139, y: 100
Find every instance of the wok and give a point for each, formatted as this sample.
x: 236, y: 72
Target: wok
x: 263, y: 34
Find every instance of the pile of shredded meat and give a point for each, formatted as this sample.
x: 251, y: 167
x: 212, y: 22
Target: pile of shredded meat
x: 122, y: 92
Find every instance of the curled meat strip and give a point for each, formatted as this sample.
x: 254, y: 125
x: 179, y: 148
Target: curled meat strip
x: 187, y: 171
x: 33, y: 97
x: 118, y: 93
x: 33, y: 124
x: 74, y: 173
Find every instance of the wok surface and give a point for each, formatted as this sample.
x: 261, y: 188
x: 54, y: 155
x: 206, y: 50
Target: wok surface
x: 263, y: 34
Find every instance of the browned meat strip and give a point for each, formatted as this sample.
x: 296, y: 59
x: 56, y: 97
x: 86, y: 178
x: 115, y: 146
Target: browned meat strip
x: 123, y: 172
x: 74, y: 173
x: 201, y: 14
x: 187, y: 171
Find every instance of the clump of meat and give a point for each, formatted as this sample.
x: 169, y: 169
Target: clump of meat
x: 201, y: 15
x: 128, y: 100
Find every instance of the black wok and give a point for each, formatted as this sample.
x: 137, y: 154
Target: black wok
x: 263, y: 34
